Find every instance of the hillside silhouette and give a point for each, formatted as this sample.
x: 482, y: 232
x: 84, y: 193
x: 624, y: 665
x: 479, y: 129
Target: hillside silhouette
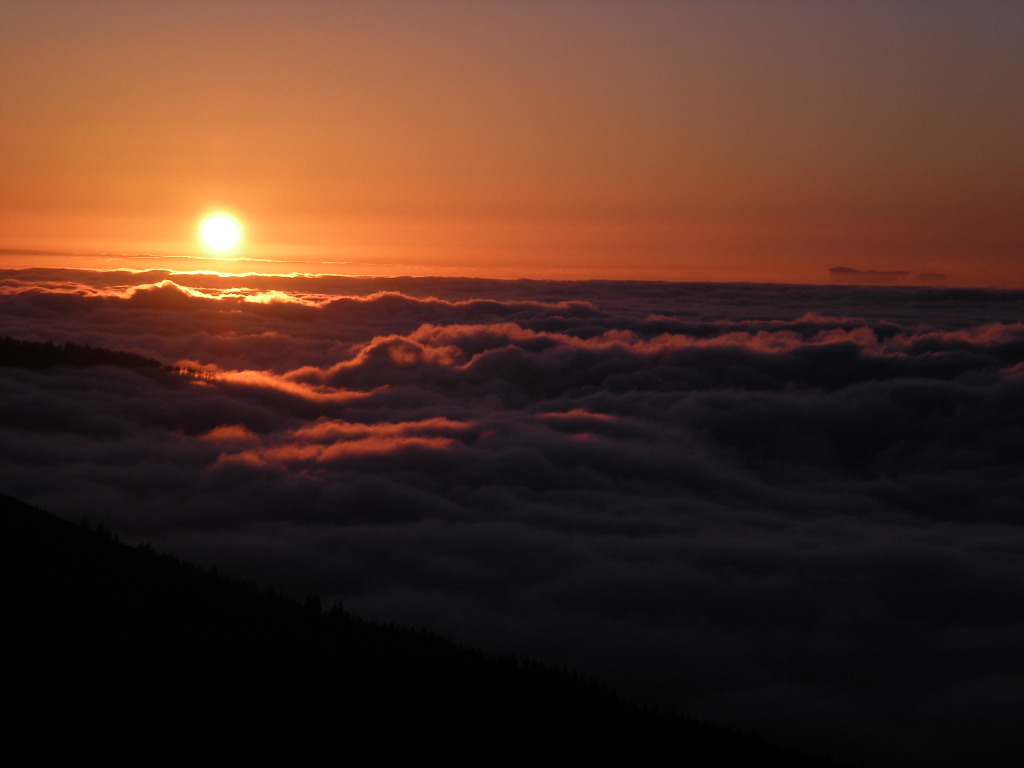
x: 18, y: 353
x: 117, y: 655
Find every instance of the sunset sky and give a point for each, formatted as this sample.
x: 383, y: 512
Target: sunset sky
x: 756, y: 141
x: 676, y: 459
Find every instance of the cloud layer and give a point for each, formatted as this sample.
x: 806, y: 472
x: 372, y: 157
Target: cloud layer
x: 790, y: 508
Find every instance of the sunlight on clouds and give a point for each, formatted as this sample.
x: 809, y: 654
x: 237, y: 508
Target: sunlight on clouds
x: 663, y: 466
x: 230, y: 433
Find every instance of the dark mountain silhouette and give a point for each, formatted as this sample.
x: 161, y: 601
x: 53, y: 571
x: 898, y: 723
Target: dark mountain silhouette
x: 116, y: 655
x: 16, y: 353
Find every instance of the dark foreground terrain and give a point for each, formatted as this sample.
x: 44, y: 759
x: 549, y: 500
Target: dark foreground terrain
x: 116, y: 655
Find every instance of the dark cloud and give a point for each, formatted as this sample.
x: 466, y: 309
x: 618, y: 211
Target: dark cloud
x: 850, y: 276
x: 789, y: 508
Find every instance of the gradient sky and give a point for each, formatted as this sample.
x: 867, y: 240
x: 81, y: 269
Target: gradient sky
x: 665, y: 140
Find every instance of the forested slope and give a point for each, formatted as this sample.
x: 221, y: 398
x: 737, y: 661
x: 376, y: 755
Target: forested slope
x: 120, y: 656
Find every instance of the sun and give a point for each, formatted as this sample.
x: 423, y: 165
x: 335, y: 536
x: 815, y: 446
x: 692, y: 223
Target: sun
x: 221, y: 232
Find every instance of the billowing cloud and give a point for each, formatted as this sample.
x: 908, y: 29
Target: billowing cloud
x: 789, y: 508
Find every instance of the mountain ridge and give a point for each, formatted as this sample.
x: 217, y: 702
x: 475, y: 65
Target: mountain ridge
x: 120, y: 655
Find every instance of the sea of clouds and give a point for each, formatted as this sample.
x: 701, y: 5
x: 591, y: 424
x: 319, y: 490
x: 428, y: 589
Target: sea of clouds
x: 796, y: 509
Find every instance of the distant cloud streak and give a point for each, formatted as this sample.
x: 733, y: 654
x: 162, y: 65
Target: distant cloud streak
x: 850, y: 276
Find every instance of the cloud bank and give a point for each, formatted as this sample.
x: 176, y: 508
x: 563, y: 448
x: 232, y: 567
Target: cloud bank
x: 789, y: 508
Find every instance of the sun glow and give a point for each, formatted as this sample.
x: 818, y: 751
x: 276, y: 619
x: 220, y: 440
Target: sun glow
x: 221, y: 233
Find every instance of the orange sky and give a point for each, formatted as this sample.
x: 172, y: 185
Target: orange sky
x: 666, y: 140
